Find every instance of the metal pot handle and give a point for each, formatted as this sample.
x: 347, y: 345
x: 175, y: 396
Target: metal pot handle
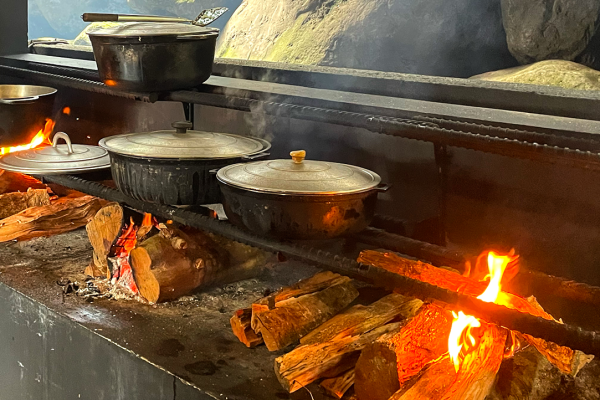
x: 65, y: 137
x: 20, y: 100
x: 382, y: 187
x: 255, y: 156
x: 182, y: 126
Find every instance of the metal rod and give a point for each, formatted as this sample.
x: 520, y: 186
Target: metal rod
x: 566, y: 335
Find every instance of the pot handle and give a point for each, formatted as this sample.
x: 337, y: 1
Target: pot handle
x: 65, y: 137
x: 213, y: 171
x: 255, y: 156
x: 20, y: 100
x: 382, y: 187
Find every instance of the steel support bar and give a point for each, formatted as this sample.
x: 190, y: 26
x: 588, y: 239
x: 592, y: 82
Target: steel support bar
x: 575, y: 338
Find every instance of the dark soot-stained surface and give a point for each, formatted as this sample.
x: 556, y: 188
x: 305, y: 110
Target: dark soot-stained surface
x: 190, y: 338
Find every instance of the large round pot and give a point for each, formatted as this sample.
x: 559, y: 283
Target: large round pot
x: 24, y: 110
x: 176, y: 167
x: 149, y: 57
x: 297, y: 199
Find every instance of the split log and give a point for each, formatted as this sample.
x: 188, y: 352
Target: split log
x: 165, y: 271
x: 16, y: 182
x: 475, y: 378
x: 240, y: 325
x: 15, y: 202
x: 567, y: 360
x: 61, y: 216
x: 388, y: 363
x: 305, y: 364
x: 359, y: 318
x: 444, y: 278
x: 282, y: 323
x: 103, y: 230
x: 338, y: 386
x: 527, y: 375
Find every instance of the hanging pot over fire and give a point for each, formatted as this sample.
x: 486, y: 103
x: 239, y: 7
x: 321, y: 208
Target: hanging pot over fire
x: 175, y: 167
x: 298, y: 198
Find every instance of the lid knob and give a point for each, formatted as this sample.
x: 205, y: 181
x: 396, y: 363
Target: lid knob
x: 182, y: 126
x: 298, y: 156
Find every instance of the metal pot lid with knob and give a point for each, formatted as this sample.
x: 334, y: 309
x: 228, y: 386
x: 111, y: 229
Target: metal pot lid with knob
x: 65, y: 158
x: 298, y: 176
x: 147, y: 30
x: 185, y: 144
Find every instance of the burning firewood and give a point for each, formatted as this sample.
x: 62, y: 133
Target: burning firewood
x: 242, y: 329
x: 473, y: 380
x: 15, y: 202
x: 284, y: 317
x: 16, y: 182
x: 63, y: 215
x: 388, y: 363
x: 359, y: 319
x: 103, y: 231
x: 307, y: 363
x: 338, y: 386
x: 568, y: 360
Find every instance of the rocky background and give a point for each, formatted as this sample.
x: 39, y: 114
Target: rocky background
x: 458, y: 38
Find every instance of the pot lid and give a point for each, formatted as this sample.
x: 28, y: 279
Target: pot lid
x: 153, y: 29
x: 299, y: 176
x: 57, y: 159
x: 184, y: 144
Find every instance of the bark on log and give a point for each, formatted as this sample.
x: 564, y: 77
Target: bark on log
x: 359, y: 318
x: 15, y: 202
x: 61, y: 216
x: 338, y: 386
x: 163, y: 272
x: 527, y: 375
x: 16, y: 182
x: 475, y: 378
x: 444, y: 278
x: 103, y: 230
x: 305, y: 364
x: 567, y: 360
x: 391, y: 361
x: 240, y: 325
x: 282, y: 323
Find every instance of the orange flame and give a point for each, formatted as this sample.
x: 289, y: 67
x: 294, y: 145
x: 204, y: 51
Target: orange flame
x: 39, y: 138
x: 462, y: 324
x: 67, y: 110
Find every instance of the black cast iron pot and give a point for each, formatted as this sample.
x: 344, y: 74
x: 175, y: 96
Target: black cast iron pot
x: 24, y: 110
x: 298, y: 199
x: 176, y: 167
x: 148, y: 57
x: 299, y: 217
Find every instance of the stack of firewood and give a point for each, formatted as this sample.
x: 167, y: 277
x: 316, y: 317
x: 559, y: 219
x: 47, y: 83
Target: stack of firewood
x: 330, y: 341
x: 29, y: 208
x: 397, y: 347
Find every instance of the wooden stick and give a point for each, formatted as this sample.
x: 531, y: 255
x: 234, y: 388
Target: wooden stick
x: 359, y: 319
x: 284, y: 322
x: 387, y: 364
x: 62, y: 216
x: 15, y: 202
x: 102, y: 232
x: 475, y: 378
x: 240, y: 325
x: 444, y: 278
x: 306, y: 364
x: 338, y: 386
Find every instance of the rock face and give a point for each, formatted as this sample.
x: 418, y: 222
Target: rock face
x: 565, y: 74
x: 433, y: 37
x: 539, y: 30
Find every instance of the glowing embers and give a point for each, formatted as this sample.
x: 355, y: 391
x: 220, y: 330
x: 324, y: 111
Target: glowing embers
x: 461, y: 340
x: 40, y: 138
